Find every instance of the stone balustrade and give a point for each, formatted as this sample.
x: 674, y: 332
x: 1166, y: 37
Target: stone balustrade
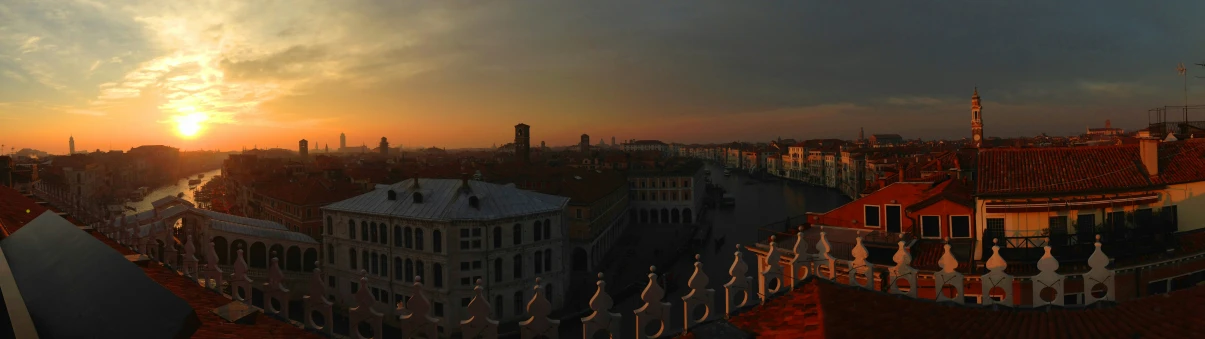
x: 415, y: 319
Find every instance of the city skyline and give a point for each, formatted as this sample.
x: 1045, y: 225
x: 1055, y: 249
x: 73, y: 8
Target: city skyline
x: 218, y: 75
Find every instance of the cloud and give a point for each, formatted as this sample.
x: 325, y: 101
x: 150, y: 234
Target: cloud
x: 85, y: 112
x: 1115, y: 89
x: 30, y: 45
x: 288, y: 64
x: 14, y: 76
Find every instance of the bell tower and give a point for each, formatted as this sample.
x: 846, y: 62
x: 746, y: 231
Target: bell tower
x: 523, y: 143
x: 976, y: 120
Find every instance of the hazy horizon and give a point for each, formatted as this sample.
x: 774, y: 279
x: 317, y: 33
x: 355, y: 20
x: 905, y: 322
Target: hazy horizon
x: 223, y: 74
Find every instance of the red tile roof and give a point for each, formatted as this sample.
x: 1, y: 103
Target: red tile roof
x: 846, y: 312
x: 1060, y: 170
x: 16, y: 210
x: 203, y: 301
x: 1182, y: 161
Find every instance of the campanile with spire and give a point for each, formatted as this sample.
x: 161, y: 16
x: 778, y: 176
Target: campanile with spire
x: 976, y: 120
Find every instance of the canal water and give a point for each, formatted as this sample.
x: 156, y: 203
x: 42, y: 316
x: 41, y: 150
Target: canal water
x: 181, y: 186
x: 760, y: 203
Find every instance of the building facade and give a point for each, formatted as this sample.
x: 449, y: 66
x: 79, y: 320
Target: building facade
x: 450, y: 233
x: 673, y: 195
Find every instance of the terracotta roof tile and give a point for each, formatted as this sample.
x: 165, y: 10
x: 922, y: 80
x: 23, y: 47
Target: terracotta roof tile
x: 846, y: 312
x: 1060, y: 170
x: 202, y: 300
x: 13, y: 210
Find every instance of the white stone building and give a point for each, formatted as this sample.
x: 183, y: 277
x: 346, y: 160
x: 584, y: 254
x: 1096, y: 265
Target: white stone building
x: 450, y: 233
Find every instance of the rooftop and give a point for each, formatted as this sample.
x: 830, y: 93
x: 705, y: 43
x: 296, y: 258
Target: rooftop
x: 446, y: 200
x: 822, y: 309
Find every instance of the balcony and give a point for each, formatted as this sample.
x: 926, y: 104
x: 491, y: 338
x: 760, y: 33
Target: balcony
x: 1121, y: 240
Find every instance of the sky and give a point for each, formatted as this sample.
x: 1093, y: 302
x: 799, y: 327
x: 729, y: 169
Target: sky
x: 227, y: 74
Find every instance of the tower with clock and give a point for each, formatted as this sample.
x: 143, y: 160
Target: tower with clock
x: 976, y: 120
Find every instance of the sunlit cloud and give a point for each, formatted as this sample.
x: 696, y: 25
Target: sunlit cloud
x: 30, y: 45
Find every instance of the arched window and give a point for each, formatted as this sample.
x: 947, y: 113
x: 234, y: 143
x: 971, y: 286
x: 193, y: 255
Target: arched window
x: 547, y: 229
x: 518, y: 302
x: 518, y: 271
x: 363, y: 230
x: 365, y: 261
x: 399, y: 269
x: 384, y: 234
x: 497, y: 269
x: 418, y: 268
x: 409, y: 237
x: 517, y: 233
x: 497, y: 237
x: 548, y: 259
x: 330, y: 254
x: 418, y: 198
x: 352, y: 258
x: 438, y: 272
x: 384, y: 266
x: 418, y: 239
x: 409, y: 270
x: 397, y: 236
x: 330, y: 226
x: 535, y: 231
x: 375, y: 268
x: 537, y: 260
x: 372, y: 230
x: 351, y: 229
x: 437, y: 241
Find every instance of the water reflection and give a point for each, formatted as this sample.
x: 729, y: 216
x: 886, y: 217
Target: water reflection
x: 181, y: 186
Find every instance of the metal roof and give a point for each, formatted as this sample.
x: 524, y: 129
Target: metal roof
x: 260, y: 232
x: 446, y: 200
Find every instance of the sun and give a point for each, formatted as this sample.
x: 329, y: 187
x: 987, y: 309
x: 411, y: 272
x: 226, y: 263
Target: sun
x: 190, y: 125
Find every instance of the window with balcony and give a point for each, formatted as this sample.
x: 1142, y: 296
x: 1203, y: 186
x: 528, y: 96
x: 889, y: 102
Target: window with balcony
x: 960, y: 226
x: 872, y: 215
x: 930, y: 226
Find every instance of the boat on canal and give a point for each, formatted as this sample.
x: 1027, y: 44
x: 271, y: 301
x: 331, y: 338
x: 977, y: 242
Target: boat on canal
x: 194, y: 182
x: 727, y: 172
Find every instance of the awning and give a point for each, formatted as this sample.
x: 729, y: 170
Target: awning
x: 1072, y: 204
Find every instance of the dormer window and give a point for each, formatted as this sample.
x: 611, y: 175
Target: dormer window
x: 392, y: 195
x: 418, y: 198
x: 475, y: 202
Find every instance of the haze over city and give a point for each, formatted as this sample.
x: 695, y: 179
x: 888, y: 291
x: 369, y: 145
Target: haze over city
x: 233, y: 74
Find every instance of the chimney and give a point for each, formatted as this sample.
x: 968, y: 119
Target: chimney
x: 464, y: 181
x: 1148, y: 150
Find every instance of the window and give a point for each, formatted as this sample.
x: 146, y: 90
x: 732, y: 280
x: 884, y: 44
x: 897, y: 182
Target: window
x: 409, y: 267
x: 351, y: 229
x: 373, y: 232
x: 419, y: 270
x: 995, y: 229
x: 960, y: 226
x: 437, y: 242
x: 893, y: 217
x: 476, y: 264
x: 497, y: 237
x: 518, y: 271
x: 579, y: 213
x: 1172, y: 216
x: 384, y: 266
x: 375, y: 263
x: 418, y: 239
x: 330, y: 226
x: 1073, y: 299
x: 1117, y: 219
x: 930, y: 226
x: 497, y: 270
x: 332, y: 281
x: 353, y: 258
x: 1085, y: 223
x: 365, y: 263
x: 408, y: 237
x: 537, y: 260
x: 548, y: 260
x: 872, y: 215
x: 465, y: 266
x: 519, y: 303
x: 399, y: 269
x: 330, y: 254
x: 384, y: 234
x: 686, y: 183
x: 438, y: 271
x: 363, y: 230
x: 686, y: 195
x: 547, y: 229
x: 1058, y: 225
x: 535, y: 228
x: 439, y: 307
x: 470, y: 238
x: 397, y: 234
x: 517, y: 233
x: 464, y: 281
